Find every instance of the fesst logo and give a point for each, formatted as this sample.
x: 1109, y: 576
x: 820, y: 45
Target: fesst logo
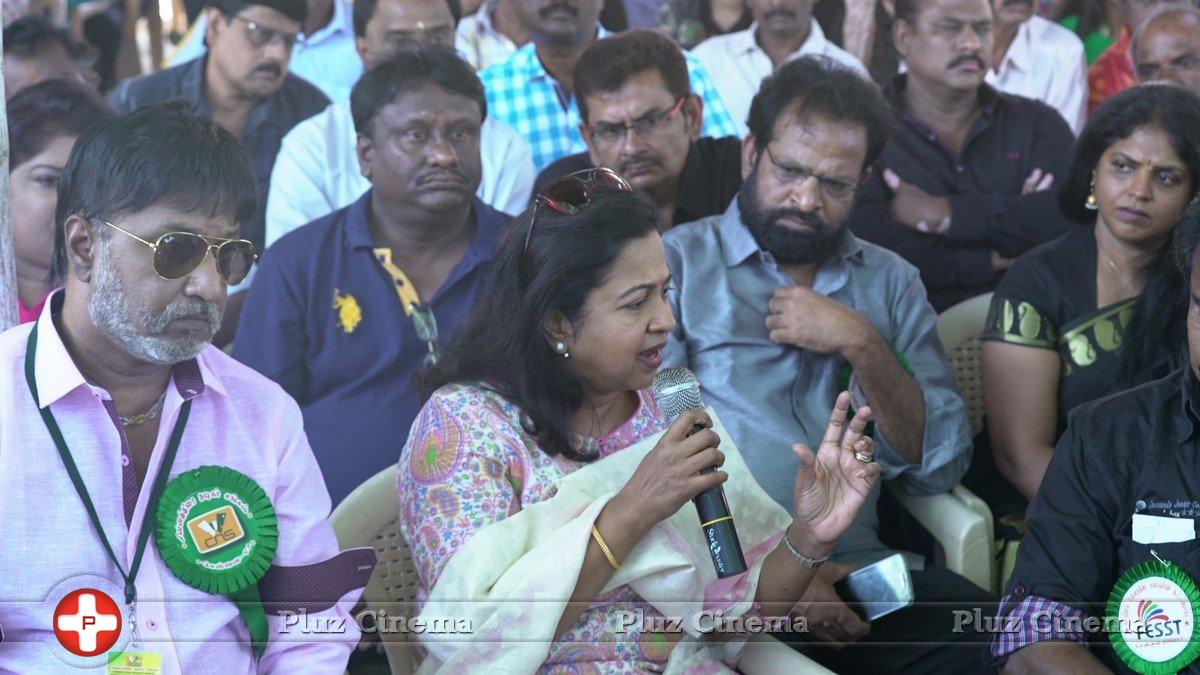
x: 1155, y: 622
x: 87, y: 622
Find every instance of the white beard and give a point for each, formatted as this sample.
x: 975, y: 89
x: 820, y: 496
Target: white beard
x: 112, y: 314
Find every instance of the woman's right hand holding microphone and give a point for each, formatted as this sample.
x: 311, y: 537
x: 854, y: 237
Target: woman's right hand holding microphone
x: 671, y: 474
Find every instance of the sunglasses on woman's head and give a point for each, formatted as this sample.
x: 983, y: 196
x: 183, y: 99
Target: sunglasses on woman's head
x: 178, y: 254
x: 567, y: 194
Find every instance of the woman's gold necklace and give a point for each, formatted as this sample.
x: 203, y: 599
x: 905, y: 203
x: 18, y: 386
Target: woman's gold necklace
x: 1117, y: 270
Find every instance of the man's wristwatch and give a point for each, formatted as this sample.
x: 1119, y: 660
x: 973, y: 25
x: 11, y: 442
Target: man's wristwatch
x: 801, y: 559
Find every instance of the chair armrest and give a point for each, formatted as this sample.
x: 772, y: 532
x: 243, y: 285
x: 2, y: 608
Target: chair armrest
x: 764, y: 654
x: 369, y: 509
x: 962, y: 524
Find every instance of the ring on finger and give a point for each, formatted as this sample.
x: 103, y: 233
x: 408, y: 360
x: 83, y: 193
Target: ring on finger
x: 864, y: 457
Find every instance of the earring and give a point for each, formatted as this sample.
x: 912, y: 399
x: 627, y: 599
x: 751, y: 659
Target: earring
x: 561, y: 348
x: 1090, y: 203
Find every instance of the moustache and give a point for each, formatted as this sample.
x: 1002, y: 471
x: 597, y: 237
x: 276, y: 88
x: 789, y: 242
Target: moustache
x: 184, y: 308
x: 440, y: 175
x: 272, y: 68
x: 810, y: 219
x: 967, y: 58
x: 557, y: 6
x: 1014, y: 3
x: 779, y: 11
x: 640, y: 159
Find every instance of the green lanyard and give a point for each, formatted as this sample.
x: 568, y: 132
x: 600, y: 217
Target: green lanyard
x: 159, y: 480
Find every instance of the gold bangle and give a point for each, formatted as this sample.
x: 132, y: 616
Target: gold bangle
x: 604, y: 548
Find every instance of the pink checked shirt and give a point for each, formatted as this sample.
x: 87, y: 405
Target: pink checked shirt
x: 240, y: 420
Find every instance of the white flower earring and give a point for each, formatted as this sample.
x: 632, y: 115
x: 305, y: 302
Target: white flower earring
x: 561, y: 348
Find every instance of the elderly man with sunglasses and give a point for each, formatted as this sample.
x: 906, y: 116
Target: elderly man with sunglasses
x: 163, y: 509
x: 346, y: 309
x: 641, y: 119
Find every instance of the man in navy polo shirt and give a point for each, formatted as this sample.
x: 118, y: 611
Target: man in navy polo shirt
x: 346, y: 309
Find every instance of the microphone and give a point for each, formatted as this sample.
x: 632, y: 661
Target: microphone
x: 677, y: 390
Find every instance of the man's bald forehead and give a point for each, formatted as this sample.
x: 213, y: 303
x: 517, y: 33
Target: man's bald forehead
x: 1172, y: 14
x: 1167, y: 17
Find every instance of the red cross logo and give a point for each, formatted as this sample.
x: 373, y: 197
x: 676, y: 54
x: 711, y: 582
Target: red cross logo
x: 87, y: 622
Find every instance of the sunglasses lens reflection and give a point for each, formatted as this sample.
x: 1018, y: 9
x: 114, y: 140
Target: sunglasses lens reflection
x: 178, y: 253
x: 234, y: 259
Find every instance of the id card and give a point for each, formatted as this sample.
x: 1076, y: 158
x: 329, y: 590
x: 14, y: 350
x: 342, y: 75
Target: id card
x: 134, y: 663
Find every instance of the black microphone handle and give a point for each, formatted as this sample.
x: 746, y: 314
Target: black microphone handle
x: 719, y: 531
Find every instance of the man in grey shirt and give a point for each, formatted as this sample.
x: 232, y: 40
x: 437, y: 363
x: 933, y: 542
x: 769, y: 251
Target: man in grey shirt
x: 780, y: 307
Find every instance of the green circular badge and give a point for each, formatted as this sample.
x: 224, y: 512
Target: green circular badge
x: 1152, y: 614
x: 216, y: 529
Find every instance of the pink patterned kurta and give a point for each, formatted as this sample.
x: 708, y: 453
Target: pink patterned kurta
x: 469, y: 463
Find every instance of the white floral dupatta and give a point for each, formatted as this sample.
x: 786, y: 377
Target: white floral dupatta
x: 512, y: 579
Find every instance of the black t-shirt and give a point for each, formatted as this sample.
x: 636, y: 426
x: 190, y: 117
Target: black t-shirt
x: 1010, y: 138
x: 1047, y: 300
x: 711, y: 177
x: 1134, y: 453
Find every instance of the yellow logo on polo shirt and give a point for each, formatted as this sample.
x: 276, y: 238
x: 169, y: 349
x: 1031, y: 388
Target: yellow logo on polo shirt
x: 349, y: 314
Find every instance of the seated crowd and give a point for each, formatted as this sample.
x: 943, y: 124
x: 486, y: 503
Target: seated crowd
x: 465, y: 243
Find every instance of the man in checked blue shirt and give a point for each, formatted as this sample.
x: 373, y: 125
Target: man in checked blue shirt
x: 532, y: 91
x: 779, y: 308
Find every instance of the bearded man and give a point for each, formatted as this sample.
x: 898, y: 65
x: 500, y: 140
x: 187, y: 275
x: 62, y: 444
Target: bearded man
x: 122, y: 429
x: 779, y: 308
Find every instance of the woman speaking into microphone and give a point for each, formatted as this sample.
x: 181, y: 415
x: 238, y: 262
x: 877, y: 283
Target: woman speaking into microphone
x: 546, y: 508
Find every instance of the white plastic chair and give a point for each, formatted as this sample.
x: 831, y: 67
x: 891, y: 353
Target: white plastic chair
x: 959, y: 520
x: 960, y: 329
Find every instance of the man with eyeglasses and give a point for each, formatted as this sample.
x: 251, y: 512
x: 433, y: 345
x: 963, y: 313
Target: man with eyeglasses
x: 966, y: 184
x: 641, y: 119
x: 780, y: 307
x: 151, y: 483
x: 533, y: 90
x: 344, y: 311
x: 243, y: 83
x: 324, y: 53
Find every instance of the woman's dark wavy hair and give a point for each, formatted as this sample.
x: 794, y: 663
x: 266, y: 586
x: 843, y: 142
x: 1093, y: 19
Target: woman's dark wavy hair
x: 51, y: 109
x: 504, y: 345
x: 1156, y: 339
x: 1187, y: 240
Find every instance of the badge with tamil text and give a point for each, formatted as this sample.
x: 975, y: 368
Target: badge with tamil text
x: 1152, y: 613
x: 216, y: 530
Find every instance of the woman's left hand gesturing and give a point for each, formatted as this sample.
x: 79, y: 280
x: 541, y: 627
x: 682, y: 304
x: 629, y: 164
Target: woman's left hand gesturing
x: 832, y: 486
